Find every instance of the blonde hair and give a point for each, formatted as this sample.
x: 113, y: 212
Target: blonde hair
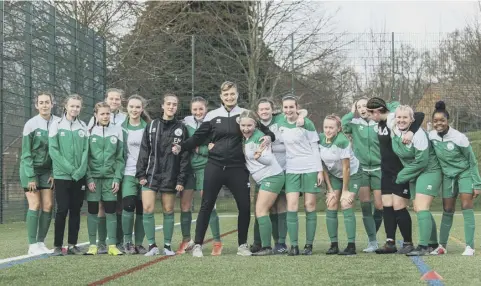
x: 121, y: 92
x: 406, y: 108
x: 97, y: 106
x: 249, y: 114
x: 336, y: 118
x: 144, y: 115
x: 72, y: 96
x: 226, y: 85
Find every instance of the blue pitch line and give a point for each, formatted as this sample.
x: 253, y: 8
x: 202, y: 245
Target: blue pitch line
x: 423, y: 268
x: 6, y: 265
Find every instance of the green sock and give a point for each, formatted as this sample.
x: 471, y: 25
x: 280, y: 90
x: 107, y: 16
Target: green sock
x: 168, y: 228
x: 127, y: 225
x: 433, y: 239
x: 92, y: 225
x: 257, y: 233
x: 111, y: 228
x: 282, y: 225
x: 469, y: 227
x: 149, y: 227
x: 332, y: 224
x: 311, y: 224
x: 275, y: 227
x: 425, y: 225
x: 32, y: 226
x: 139, y: 229
x: 102, y: 229
x: 350, y: 224
x: 265, y: 229
x: 43, y: 225
x: 377, y: 215
x: 119, y: 233
x: 185, y: 223
x: 368, y: 220
x: 445, y: 228
x: 214, y: 225
x: 293, y: 227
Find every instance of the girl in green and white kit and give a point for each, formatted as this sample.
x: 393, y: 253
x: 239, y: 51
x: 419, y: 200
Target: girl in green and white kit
x: 195, y: 182
x: 68, y: 148
x: 106, y: 165
x: 461, y: 176
x: 36, y: 173
x: 133, y: 130
x: 343, y: 179
x: 303, y: 172
x: 266, y: 172
x: 421, y: 169
x: 363, y: 132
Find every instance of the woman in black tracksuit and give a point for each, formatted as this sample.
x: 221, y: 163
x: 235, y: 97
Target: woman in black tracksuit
x: 226, y: 165
x: 159, y: 170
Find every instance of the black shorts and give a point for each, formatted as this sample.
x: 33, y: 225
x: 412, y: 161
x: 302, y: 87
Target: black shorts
x: 389, y: 186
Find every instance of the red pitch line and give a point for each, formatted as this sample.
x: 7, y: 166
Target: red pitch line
x: 142, y: 266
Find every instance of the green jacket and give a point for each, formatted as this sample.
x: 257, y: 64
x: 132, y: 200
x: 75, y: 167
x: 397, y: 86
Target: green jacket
x: 35, y: 158
x: 455, y: 155
x: 198, y: 159
x: 364, y: 138
x: 106, y: 153
x: 417, y: 157
x: 68, y: 148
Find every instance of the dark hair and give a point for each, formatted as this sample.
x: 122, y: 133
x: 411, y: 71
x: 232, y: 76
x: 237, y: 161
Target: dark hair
x: 440, y: 107
x: 290, y: 97
x: 144, y: 115
x: 43, y: 93
x: 377, y: 103
x: 265, y: 100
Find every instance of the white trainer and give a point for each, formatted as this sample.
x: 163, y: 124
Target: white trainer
x: 468, y: 251
x: 33, y: 249
x: 44, y: 248
x: 197, y: 251
x: 439, y: 251
x: 153, y: 251
x: 190, y: 246
x: 243, y: 250
x: 168, y: 252
x: 371, y: 247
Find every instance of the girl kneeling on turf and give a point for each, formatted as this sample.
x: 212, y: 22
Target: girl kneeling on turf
x: 267, y: 173
x: 421, y: 169
x: 105, y: 170
x: 342, y: 175
x: 159, y: 170
x: 36, y: 173
x: 133, y: 130
x: 303, y: 172
x: 461, y: 176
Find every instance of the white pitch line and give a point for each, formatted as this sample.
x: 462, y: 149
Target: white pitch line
x: 7, y: 260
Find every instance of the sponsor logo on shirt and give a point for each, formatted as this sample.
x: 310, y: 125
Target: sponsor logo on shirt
x: 178, y: 132
x: 383, y: 131
x: 218, y: 120
x: 94, y: 140
x: 62, y: 133
x: 39, y: 133
x: 154, y: 129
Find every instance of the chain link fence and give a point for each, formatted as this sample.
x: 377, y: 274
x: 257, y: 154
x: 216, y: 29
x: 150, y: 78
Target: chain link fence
x: 41, y: 50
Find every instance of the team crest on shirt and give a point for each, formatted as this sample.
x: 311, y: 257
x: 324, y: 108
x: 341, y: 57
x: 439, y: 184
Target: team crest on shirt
x: 154, y: 129
x: 281, y: 129
x: 355, y: 186
x: 375, y: 128
x: 81, y: 133
x: 178, y: 132
x: 113, y: 139
x: 361, y: 127
x: 450, y: 146
x: 430, y: 188
x: 268, y: 184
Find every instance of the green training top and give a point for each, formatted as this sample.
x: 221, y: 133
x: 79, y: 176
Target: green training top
x: 68, y: 148
x: 198, y: 159
x: 417, y: 157
x: 455, y: 154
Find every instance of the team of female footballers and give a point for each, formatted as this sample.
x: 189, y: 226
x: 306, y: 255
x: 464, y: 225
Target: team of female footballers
x: 119, y: 162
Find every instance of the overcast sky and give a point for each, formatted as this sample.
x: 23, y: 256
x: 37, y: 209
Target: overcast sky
x: 403, y: 16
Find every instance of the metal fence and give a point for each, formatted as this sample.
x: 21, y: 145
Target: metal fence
x: 41, y: 50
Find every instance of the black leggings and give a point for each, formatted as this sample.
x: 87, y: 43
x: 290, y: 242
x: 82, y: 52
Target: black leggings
x: 69, y: 197
x: 237, y: 180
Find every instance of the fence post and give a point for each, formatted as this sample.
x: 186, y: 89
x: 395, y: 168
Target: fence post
x: 51, y: 50
x: 193, y: 65
x: 2, y: 189
x: 392, y: 68
x: 292, y: 65
x: 27, y: 63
